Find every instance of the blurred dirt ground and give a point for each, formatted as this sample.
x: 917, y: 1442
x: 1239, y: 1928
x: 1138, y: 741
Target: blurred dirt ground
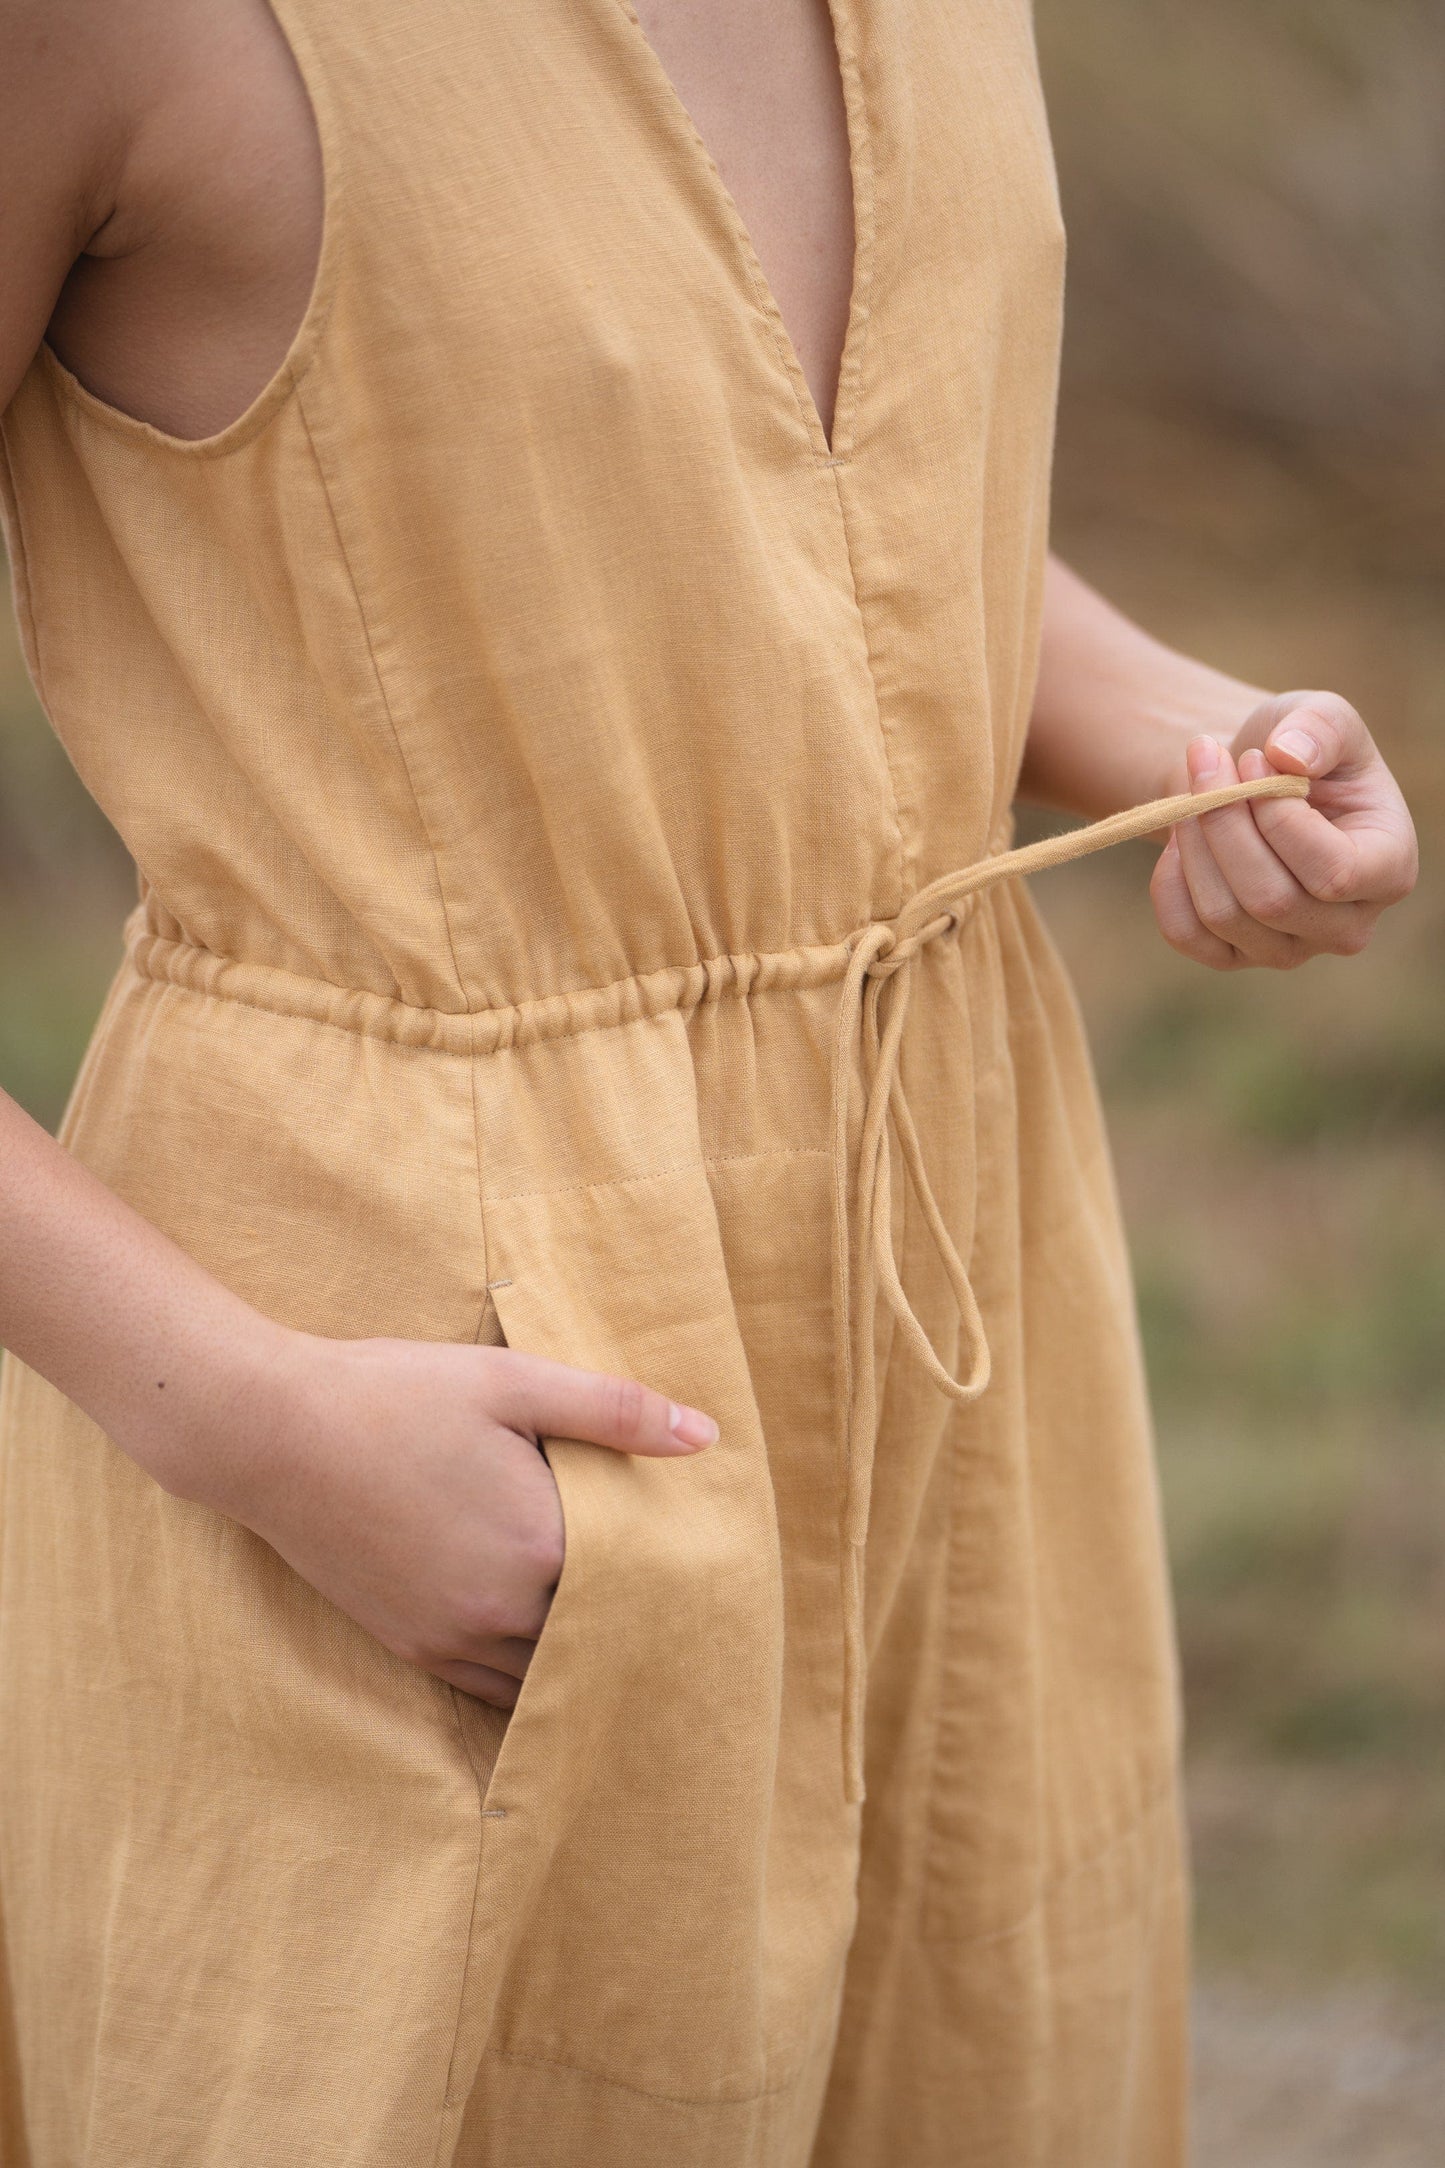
x: 1346, y: 2078
x: 1251, y: 459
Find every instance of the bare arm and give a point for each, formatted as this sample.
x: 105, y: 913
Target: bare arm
x: 401, y: 1478
x: 90, y: 1295
x: 1115, y: 708
x: 63, y: 142
x: 128, y: 1326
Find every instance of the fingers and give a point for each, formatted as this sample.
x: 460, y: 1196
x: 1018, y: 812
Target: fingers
x: 1217, y: 872
x: 1342, y: 890
x: 1317, y: 734
x: 1353, y: 841
x: 1265, y: 887
x: 1366, y: 856
x: 493, y: 1672
x: 509, y: 1654
x: 1226, y: 894
x: 1179, y: 922
x: 480, y: 1681
x: 1325, y: 859
x: 546, y: 1399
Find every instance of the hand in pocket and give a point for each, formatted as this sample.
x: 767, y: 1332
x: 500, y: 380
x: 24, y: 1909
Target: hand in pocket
x: 404, y: 1479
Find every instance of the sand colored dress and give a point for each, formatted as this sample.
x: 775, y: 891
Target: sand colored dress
x: 538, y: 744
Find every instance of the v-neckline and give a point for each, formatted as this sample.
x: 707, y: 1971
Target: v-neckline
x: 833, y: 447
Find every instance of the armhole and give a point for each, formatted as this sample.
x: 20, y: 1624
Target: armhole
x: 13, y: 534
x: 297, y: 359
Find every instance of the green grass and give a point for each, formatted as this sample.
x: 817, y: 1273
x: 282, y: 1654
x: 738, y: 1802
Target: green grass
x: 51, y: 988
x: 1267, y: 1085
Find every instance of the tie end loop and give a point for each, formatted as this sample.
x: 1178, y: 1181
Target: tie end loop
x: 875, y: 941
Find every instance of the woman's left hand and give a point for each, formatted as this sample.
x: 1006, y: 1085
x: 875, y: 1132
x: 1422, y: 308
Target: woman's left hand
x: 1278, y: 880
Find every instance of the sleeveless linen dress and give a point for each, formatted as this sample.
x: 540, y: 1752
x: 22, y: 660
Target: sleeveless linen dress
x: 535, y: 738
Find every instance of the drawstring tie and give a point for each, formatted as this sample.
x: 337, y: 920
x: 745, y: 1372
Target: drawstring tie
x: 873, y: 1007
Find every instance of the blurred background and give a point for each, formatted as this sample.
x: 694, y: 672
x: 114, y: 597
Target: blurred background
x: 1251, y: 460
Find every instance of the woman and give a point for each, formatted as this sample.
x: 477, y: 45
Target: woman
x: 560, y: 625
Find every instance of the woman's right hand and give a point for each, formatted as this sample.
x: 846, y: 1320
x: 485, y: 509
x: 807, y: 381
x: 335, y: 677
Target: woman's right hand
x: 405, y: 1480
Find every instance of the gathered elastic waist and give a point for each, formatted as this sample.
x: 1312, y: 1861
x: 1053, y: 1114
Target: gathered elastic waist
x: 483, y: 1031
x: 156, y: 956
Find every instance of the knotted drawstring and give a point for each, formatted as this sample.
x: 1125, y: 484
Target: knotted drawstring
x: 874, y: 1005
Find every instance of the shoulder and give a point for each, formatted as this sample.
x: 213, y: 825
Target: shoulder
x: 145, y: 146
x: 74, y: 85
x: 71, y: 97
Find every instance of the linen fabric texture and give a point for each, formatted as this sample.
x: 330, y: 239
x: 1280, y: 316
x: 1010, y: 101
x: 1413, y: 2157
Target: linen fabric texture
x: 514, y: 717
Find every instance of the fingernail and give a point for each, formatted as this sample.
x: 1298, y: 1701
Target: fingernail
x: 1298, y: 744
x: 1253, y: 767
x: 690, y: 1426
x: 1203, y: 759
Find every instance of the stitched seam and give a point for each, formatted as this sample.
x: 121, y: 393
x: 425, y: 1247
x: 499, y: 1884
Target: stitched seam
x: 850, y: 387
x: 768, y: 309
x: 277, y: 394
x: 774, y: 1151
x: 863, y: 181
x: 487, y: 1303
x: 767, y: 306
x: 883, y: 728
x: 808, y: 414
x: 679, y: 2100
x: 468, y: 1955
x: 382, y: 694
x: 663, y: 1174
